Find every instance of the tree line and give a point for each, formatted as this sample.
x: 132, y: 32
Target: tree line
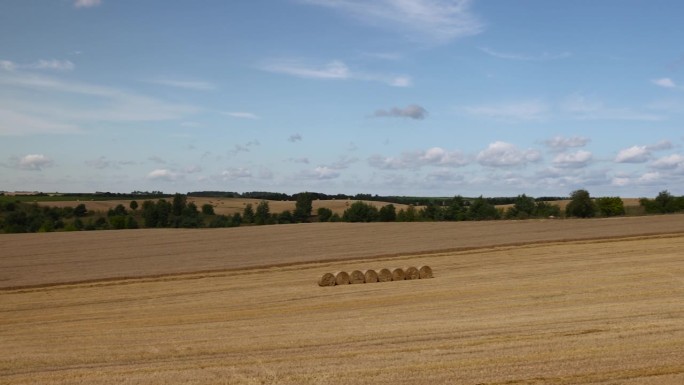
x: 21, y: 217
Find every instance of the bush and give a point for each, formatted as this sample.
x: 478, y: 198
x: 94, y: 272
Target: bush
x: 610, y: 206
x: 324, y: 214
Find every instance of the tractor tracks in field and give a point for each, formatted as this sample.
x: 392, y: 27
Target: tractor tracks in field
x: 324, y: 262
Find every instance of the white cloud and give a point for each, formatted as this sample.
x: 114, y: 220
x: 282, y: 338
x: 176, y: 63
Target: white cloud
x: 334, y: 70
x: 502, y: 154
x: 412, y: 111
x: 523, y: 111
x: 242, y: 115
x: 435, y: 156
x: 430, y: 21
x: 664, y: 82
x: 162, y: 174
x: 559, y: 143
x: 86, y: 3
x: 517, y: 56
x: 321, y: 173
x: 34, y: 162
x: 442, y: 157
x: 669, y: 162
x: 14, y: 123
x: 640, y: 154
x: 236, y: 173
x: 53, y: 64
x: 634, y: 154
x: 52, y: 106
x: 185, y: 84
x: 577, y: 159
x: 7, y: 65
x: 42, y: 64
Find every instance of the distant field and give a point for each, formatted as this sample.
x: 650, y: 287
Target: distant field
x: 225, y: 206
x: 592, y: 311
x: 229, y: 206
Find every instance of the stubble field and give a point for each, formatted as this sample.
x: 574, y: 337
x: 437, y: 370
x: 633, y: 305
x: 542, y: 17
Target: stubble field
x: 533, y: 302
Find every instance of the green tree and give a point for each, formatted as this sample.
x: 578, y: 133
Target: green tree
x: 480, y: 210
x: 456, y: 210
x: 523, y: 208
x: 387, y: 213
x: 360, y: 212
x: 546, y: 210
x: 248, y: 214
x: 408, y: 215
x: 303, y: 207
x: 133, y: 205
x: 581, y: 205
x: 80, y: 210
x: 179, y: 203
x: 262, y: 213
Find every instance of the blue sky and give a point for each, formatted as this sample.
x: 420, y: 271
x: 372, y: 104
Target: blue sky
x: 399, y: 97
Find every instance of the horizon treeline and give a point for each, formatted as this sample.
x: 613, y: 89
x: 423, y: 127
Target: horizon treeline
x: 23, y: 217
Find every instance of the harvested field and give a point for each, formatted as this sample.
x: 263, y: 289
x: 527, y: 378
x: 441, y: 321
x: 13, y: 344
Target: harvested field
x: 38, y: 259
x: 577, y: 312
x: 226, y: 206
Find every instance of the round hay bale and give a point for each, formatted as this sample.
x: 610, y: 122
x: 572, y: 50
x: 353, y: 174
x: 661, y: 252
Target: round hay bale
x: 370, y: 276
x: 411, y: 273
x: 356, y: 276
x: 384, y: 275
x: 341, y: 278
x: 398, y: 274
x: 425, y: 272
x: 328, y: 279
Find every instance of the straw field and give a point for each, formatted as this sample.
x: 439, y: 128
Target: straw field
x: 600, y: 308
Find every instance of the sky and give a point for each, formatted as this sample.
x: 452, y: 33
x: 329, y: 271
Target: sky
x: 388, y: 97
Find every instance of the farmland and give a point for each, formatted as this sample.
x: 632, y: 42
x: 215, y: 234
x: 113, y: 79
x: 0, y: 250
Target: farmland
x: 516, y: 302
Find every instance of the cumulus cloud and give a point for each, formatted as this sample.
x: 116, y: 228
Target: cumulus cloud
x: 321, y: 173
x: 428, y: 21
x: 162, y: 174
x: 640, y: 154
x: 502, y: 154
x: 523, y: 111
x: 664, y: 82
x: 412, y: 111
x: 86, y: 3
x: 669, y: 162
x: 294, y: 138
x: 34, y: 162
x: 577, y: 159
x: 435, y: 156
x: 559, y: 143
x: 236, y: 173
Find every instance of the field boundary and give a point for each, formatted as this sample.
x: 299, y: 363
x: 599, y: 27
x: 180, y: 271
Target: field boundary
x: 200, y: 274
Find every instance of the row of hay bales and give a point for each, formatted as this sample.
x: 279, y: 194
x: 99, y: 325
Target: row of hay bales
x: 372, y: 276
